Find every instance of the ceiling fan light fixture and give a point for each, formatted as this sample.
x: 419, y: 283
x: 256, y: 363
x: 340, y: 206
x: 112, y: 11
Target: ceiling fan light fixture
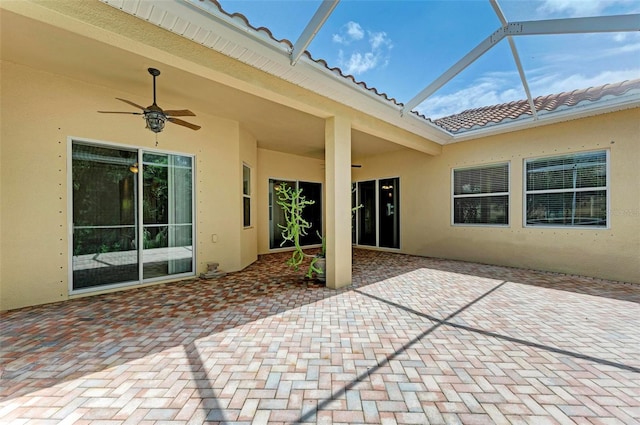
x: 155, y: 121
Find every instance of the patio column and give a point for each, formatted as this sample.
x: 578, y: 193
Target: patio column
x: 337, y: 142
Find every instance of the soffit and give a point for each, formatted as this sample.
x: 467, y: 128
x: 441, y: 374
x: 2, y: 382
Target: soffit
x: 58, y: 51
x: 204, y: 22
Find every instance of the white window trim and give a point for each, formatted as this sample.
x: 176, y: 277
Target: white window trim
x: 480, y: 195
x: 525, y: 192
x: 249, y: 196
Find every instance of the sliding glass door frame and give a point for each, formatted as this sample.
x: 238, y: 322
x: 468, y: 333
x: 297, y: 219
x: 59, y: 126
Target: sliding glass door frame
x: 139, y: 223
x: 357, y: 217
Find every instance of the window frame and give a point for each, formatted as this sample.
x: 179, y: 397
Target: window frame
x: 607, y: 188
x: 246, y: 196
x: 481, y: 195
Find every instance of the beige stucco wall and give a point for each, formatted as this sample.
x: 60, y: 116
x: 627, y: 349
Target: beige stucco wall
x: 425, y: 216
x: 40, y: 112
x: 278, y: 165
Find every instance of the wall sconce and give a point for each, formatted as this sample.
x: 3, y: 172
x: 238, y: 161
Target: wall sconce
x: 134, y: 168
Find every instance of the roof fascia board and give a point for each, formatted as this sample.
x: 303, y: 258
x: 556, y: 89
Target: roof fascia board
x: 206, y: 15
x: 414, y: 124
x: 573, y: 113
x: 417, y: 125
x: 308, y: 34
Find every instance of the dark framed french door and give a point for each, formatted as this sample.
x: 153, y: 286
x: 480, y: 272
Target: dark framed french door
x: 377, y: 220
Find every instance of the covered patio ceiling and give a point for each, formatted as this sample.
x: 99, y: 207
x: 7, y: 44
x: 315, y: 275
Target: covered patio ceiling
x: 70, y: 52
x: 52, y: 49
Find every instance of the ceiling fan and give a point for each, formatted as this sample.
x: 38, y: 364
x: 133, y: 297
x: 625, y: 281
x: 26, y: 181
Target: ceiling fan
x: 154, y: 115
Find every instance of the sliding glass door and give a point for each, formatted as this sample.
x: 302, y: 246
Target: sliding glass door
x: 377, y: 220
x: 132, y: 215
x: 104, y: 194
x: 167, y: 214
x: 367, y: 213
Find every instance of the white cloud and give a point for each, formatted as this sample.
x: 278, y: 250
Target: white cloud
x: 359, y: 55
x: 556, y: 83
x: 485, y: 91
x: 350, y: 32
x: 379, y: 40
x: 355, y: 30
x: 578, y: 7
x: 358, y: 63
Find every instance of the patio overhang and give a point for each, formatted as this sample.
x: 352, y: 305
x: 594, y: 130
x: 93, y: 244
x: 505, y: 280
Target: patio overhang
x: 205, y: 22
x: 98, y: 44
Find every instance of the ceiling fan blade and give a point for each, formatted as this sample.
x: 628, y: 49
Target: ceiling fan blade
x: 120, y: 112
x: 179, y: 113
x: 184, y: 123
x: 131, y: 103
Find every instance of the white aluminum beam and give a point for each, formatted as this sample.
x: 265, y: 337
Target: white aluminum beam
x: 458, y: 67
x: 317, y: 21
x: 516, y: 58
x: 615, y: 23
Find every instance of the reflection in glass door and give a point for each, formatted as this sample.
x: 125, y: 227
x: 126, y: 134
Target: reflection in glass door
x: 104, y: 216
x: 112, y: 193
x: 388, y: 213
x: 367, y: 213
x: 377, y: 220
x: 312, y: 213
x: 167, y: 215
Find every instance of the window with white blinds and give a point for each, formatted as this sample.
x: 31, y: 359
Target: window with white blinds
x: 567, y: 190
x: 481, y: 195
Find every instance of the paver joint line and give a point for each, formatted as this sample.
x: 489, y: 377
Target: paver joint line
x: 413, y: 340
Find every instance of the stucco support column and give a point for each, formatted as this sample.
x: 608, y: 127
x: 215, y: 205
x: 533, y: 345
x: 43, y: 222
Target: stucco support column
x: 337, y: 157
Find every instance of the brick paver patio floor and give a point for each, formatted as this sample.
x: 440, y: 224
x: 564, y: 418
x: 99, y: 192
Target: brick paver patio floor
x: 413, y: 341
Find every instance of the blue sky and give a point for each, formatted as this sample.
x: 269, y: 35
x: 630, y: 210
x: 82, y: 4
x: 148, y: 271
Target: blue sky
x: 399, y: 47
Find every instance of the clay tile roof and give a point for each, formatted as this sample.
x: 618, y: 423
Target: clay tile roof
x: 490, y: 115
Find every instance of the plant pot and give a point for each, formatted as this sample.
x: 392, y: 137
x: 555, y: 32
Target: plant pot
x: 321, y: 264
